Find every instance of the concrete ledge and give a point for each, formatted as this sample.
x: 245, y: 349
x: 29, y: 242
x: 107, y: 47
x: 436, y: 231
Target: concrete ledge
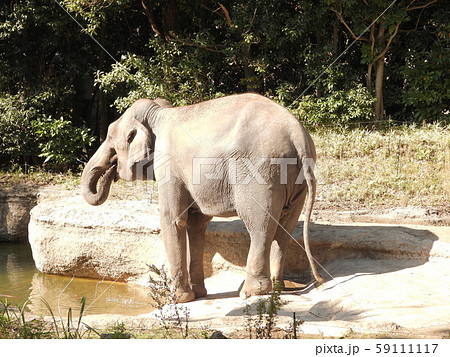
x: 118, y: 240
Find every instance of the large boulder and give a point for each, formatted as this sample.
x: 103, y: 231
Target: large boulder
x: 121, y: 238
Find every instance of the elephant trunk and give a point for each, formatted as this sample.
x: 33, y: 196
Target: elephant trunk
x: 101, y: 164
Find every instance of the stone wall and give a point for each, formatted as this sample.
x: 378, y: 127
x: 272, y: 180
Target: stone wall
x: 15, y: 206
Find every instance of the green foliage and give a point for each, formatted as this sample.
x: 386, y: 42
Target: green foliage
x: 95, y: 13
x: 266, y: 314
x: 178, y: 74
x: 16, y: 135
x: 13, y: 323
x: 339, y: 108
x: 59, y: 141
x: 26, y: 132
x: 199, y: 50
x: 427, y: 77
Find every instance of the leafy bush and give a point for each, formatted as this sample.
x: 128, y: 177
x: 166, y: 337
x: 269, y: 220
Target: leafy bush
x: 16, y: 134
x: 338, y: 108
x: 59, y: 141
x: 26, y: 134
x: 427, y: 89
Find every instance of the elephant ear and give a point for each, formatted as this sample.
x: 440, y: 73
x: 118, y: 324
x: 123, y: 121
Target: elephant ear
x: 141, y: 114
x: 144, y: 134
x: 141, y: 141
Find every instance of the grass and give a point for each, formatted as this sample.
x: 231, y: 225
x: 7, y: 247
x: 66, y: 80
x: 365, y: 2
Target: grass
x: 32, y: 175
x: 14, y: 323
x: 401, y: 166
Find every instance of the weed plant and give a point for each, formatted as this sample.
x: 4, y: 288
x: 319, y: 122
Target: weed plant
x: 68, y: 329
x: 262, y: 324
x: 173, y: 317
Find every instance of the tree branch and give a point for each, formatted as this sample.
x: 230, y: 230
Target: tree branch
x: 388, y: 44
x: 408, y: 8
x: 151, y: 20
x: 341, y: 19
x: 226, y: 13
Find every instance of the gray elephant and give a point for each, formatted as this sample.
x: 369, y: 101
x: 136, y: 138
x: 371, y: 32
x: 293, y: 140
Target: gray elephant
x: 239, y: 155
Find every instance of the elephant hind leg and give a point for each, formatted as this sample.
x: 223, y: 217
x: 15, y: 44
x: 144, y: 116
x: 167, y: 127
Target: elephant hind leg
x: 279, y: 249
x: 196, y: 229
x: 261, y: 226
x: 282, y: 238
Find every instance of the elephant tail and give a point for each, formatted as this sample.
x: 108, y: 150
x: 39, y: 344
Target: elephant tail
x: 308, y: 168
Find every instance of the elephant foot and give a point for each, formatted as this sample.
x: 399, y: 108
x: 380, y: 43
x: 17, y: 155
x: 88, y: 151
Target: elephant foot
x: 184, y: 296
x: 255, y: 286
x: 278, y: 284
x: 199, y: 290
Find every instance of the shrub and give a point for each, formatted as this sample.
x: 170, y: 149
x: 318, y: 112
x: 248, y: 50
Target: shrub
x: 16, y: 135
x: 59, y: 141
x: 338, y: 108
x: 27, y: 134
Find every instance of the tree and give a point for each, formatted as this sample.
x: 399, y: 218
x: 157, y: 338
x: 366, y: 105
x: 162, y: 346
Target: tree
x: 384, y: 19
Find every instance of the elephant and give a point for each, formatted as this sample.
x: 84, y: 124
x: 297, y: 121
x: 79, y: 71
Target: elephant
x: 240, y: 155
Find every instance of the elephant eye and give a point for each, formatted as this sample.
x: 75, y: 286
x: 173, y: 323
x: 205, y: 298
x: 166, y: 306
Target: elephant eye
x: 131, y: 136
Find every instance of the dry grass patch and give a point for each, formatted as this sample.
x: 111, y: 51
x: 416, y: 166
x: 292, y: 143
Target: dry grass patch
x: 401, y: 166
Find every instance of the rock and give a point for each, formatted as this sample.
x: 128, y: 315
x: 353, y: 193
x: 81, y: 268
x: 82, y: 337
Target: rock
x: 15, y: 206
x: 114, y: 242
x: 118, y: 240
x: 218, y: 335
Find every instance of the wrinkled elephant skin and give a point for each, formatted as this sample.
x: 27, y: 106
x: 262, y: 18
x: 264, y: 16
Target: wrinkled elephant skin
x: 239, y: 155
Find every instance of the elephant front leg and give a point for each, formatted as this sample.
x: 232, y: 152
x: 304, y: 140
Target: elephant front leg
x: 196, y: 229
x: 174, y: 238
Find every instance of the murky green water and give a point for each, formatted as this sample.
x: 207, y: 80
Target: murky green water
x: 21, y: 281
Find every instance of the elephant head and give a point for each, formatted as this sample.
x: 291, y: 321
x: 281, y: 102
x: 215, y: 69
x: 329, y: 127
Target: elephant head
x: 125, y: 154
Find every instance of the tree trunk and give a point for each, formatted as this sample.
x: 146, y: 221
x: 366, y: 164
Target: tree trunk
x: 379, y: 107
x: 250, y: 78
x: 336, y: 36
x: 370, y: 65
x: 102, y: 116
x: 379, y: 73
x: 170, y: 21
x: 166, y: 26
